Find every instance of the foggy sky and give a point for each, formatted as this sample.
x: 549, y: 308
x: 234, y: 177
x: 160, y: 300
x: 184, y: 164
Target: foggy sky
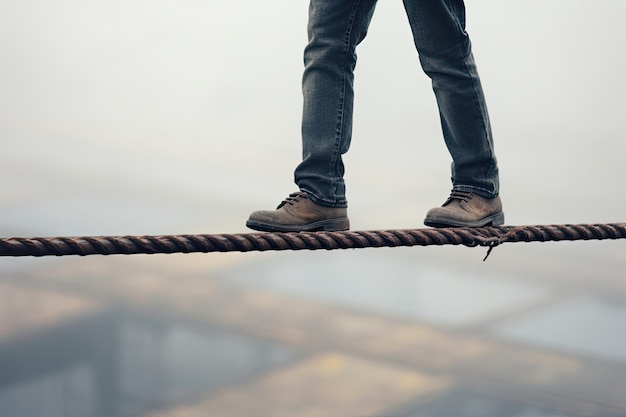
x: 202, y: 99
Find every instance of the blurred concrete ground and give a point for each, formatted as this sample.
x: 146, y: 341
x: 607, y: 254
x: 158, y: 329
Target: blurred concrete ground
x: 157, y: 118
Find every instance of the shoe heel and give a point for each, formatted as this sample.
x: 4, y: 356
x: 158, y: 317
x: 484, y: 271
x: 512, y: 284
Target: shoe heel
x: 336, y: 225
x: 498, y: 220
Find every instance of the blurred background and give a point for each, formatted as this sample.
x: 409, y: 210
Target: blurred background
x: 160, y: 117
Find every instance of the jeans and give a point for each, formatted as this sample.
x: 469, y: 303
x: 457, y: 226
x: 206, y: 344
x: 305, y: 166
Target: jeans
x: 335, y: 29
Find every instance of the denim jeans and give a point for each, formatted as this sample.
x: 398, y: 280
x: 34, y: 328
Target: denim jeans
x: 335, y: 29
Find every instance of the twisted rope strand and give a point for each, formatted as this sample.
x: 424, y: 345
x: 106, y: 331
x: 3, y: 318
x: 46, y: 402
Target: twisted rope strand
x: 486, y: 236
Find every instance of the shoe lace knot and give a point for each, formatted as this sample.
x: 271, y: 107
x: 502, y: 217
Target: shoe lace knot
x: 292, y: 199
x: 460, y: 195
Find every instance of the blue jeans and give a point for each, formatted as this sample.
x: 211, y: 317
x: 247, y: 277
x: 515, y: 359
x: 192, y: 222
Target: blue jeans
x: 335, y: 29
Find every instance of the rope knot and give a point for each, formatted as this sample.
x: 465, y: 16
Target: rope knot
x: 491, y: 243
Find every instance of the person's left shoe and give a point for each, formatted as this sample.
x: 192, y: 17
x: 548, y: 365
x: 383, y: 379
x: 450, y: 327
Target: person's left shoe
x: 466, y: 209
x: 297, y: 213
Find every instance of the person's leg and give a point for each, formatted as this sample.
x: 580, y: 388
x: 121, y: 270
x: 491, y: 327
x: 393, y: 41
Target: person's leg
x: 335, y: 29
x: 445, y: 54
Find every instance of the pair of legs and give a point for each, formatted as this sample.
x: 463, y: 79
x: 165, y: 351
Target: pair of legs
x: 335, y: 29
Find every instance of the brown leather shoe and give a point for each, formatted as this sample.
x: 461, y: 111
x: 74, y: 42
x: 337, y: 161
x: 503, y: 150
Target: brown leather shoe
x: 296, y: 214
x: 466, y: 209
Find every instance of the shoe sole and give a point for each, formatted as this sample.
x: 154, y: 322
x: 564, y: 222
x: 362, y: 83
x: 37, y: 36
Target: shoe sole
x: 493, y: 220
x: 331, y: 225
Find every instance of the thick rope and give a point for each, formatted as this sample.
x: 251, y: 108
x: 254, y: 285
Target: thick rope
x: 486, y: 236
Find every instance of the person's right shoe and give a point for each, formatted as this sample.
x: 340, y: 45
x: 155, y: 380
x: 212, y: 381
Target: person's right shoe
x: 297, y: 213
x: 466, y: 209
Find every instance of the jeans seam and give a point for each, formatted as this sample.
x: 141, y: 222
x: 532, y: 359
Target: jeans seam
x: 342, y: 103
x: 482, y: 115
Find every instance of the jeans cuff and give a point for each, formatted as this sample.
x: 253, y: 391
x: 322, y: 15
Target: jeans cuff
x: 325, y: 203
x: 483, y: 192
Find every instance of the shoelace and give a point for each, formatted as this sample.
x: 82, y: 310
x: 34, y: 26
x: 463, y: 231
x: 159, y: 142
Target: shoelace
x: 460, y: 195
x: 292, y: 199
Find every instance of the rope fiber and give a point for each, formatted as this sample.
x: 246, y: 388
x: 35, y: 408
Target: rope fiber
x: 489, y: 237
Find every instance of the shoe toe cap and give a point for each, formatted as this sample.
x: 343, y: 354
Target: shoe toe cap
x: 262, y: 215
